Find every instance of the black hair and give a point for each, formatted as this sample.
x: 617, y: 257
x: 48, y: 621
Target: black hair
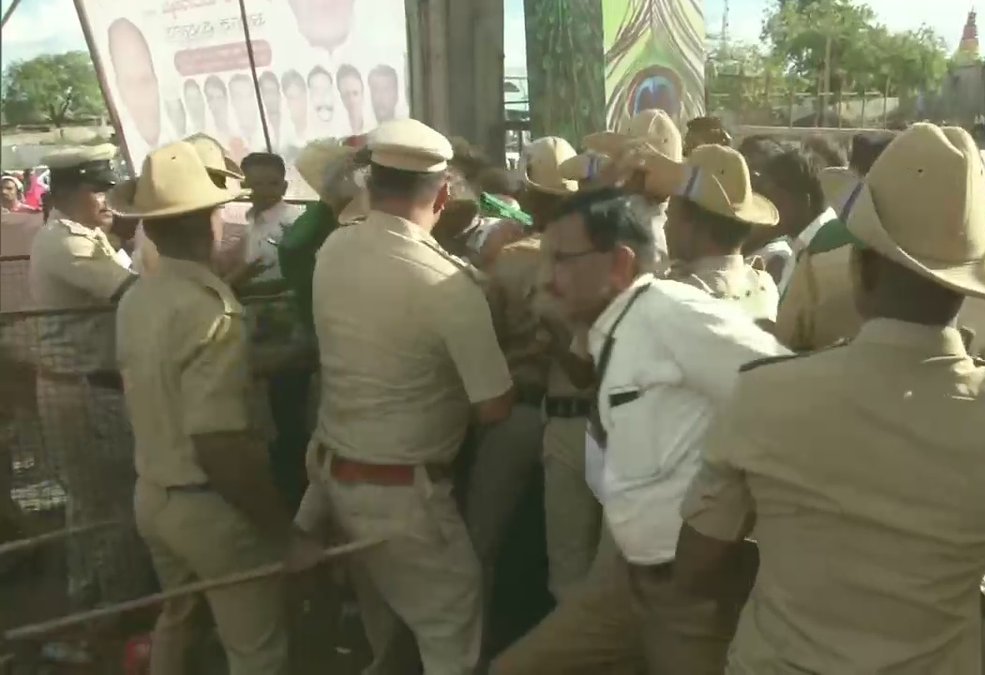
x: 348, y: 70
x: 388, y: 183
x: 610, y: 220
x: 759, y: 149
x: 176, y: 235
x: 866, y: 148
x: 726, y: 233
x: 318, y: 70
x: 268, y: 159
x: 292, y: 78
x: 826, y: 150
x: 384, y: 69
x: 214, y: 81
x: 797, y: 171
x: 268, y: 76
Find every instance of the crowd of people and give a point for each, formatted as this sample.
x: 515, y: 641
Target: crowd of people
x: 751, y: 379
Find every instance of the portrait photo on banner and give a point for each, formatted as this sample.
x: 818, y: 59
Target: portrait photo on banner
x: 326, y: 68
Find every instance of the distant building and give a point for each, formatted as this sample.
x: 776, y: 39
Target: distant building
x: 969, y: 48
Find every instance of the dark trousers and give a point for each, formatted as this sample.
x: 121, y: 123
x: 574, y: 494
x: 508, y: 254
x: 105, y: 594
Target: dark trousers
x: 288, y: 393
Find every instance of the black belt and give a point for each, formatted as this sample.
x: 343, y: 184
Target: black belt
x: 105, y: 379
x: 567, y: 407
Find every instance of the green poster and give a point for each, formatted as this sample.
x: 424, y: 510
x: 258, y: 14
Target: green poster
x: 565, y: 68
x: 654, y: 58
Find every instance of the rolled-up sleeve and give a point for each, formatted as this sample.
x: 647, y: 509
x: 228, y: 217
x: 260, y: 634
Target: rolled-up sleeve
x: 461, y: 315
x: 215, y: 374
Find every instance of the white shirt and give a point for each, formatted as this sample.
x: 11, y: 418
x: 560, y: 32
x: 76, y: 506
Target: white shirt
x: 264, y: 232
x: 675, y: 361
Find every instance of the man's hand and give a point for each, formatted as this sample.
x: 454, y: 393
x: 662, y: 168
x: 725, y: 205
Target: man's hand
x: 303, y: 552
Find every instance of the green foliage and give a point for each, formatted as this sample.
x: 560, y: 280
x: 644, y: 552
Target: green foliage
x: 810, y: 35
x: 52, y: 89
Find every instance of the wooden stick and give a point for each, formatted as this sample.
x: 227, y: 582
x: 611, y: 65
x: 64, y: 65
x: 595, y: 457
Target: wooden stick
x: 47, y: 537
x: 40, y: 629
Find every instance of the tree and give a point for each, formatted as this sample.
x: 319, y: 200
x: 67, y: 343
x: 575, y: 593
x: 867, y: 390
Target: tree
x: 52, y: 89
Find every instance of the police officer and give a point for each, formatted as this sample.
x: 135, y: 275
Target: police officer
x: 408, y: 356
x: 705, y: 232
x: 205, y: 505
x: 862, y: 465
x: 80, y: 398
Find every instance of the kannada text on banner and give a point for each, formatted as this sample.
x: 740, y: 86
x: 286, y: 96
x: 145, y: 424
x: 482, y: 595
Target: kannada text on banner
x: 326, y: 68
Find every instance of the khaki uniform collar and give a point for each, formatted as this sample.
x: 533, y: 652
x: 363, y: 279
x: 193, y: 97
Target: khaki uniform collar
x: 713, y: 264
x: 935, y: 340
x: 200, y: 273
x: 74, y: 227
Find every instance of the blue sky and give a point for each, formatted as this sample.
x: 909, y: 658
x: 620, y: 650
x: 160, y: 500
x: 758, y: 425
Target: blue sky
x: 51, y: 26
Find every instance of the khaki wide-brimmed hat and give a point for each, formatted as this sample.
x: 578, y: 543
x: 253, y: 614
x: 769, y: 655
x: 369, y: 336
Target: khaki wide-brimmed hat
x: 214, y: 156
x: 584, y: 166
x: 922, y: 205
x: 837, y: 183
x: 320, y: 159
x: 714, y: 177
x: 653, y: 126
x: 173, y: 181
x: 541, y: 166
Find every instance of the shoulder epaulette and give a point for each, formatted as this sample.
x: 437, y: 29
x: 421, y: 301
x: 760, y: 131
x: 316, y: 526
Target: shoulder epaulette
x: 752, y: 365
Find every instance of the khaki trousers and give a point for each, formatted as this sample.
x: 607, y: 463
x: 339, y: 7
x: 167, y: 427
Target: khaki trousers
x: 426, y: 574
x: 198, y: 535
x: 593, y: 630
x: 573, y: 515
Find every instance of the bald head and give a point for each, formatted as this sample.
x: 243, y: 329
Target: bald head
x: 136, y: 79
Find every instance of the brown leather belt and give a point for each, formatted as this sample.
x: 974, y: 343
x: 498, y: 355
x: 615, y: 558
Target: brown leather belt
x: 388, y: 475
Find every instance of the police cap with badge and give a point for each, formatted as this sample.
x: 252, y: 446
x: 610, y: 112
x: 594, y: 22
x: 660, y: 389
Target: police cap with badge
x: 91, y: 165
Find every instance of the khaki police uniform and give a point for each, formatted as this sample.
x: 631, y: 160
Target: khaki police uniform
x: 869, y: 517
x: 862, y: 466
x: 819, y: 309
x: 80, y: 400
x: 183, y: 355
x: 405, y: 352
x: 732, y: 279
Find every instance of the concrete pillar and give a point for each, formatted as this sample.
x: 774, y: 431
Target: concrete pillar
x: 456, y: 68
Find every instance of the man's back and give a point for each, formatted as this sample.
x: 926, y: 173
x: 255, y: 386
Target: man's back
x: 391, y: 313
x: 866, y: 465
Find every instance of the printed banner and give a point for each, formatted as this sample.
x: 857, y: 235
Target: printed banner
x: 654, y: 58
x: 178, y: 67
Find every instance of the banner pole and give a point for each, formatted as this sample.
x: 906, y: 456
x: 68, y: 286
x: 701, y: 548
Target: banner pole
x: 9, y: 13
x: 256, y: 78
x: 114, y: 116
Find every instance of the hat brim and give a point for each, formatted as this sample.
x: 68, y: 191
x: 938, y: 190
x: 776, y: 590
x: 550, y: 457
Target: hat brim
x: 606, y: 142
x: 863, y: 222
x: 231, y: 169
x: 570, y: 187
x: 121, y: 201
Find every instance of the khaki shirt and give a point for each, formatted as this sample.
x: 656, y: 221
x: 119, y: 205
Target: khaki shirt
x: 183, y: 355
x: 72, y: 267
x: 864, y: 466
x: 732, y: 278
x: 514, y: 280
x: 406, y: 344
x: 818, y: 308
